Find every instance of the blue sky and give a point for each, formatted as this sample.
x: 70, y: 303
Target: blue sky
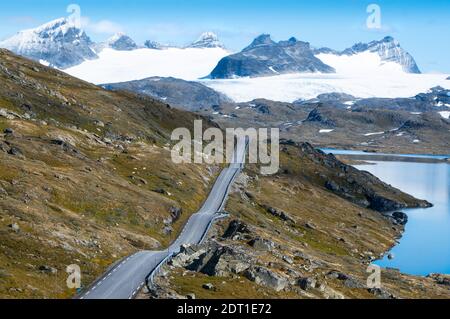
x: 422, y: 27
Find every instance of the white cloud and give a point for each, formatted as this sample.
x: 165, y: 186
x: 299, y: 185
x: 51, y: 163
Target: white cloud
x: 101, y: 27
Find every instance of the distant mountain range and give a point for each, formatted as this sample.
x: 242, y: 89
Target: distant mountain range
x: 61, y: 44
x: 264, y: 57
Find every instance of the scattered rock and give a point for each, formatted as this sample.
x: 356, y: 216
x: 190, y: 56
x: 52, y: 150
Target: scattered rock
x: 8, y: 131
x: 175, y: 212
x: 167, y: 230
x: 307, y: 283
x: 381, y: 293
x: 391, y: 256
x: 15, y: 151
x: 348, y: 281
x: 280, y: 214
x: 208, y: 286
x: 48, y: 269
x: 288, y: 260
x: 262, y: 244
x: 311, y: 226
x: 235, y: 229
x: 160, y: 191
x: 15, y: 227
x: 190, y: 296
x: 266, y: 277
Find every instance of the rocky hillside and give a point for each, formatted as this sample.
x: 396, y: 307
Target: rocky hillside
x: 290, y: 236
x: 416, y: 125
x: 186, y: 95
x: 86, y: 178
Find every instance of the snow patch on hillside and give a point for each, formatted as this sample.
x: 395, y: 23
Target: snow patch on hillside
x: 367, y: 63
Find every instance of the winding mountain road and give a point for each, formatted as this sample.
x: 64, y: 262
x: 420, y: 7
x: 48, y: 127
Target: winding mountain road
x: 125, y: 279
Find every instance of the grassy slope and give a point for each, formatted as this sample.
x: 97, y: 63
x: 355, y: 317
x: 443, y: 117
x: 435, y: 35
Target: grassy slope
x: 92, y: 200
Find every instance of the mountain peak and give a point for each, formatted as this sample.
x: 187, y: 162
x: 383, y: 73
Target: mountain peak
x: 59, y: 42
x: 207, y: 40
x: 263, y: 39
x: 264, y: 57
x: 121, y: 42
x: 388, y: 49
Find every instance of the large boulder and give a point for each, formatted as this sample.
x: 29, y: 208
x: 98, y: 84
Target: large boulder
x: 266, y: 277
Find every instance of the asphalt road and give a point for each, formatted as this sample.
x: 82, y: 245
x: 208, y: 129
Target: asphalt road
x: 124, y: 279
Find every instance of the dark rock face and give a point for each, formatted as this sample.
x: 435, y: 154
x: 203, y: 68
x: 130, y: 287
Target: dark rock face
x: 317, y: 116
x: 400, y: 218
x: 265, y: 57
x: 236, y: 229
x: 122, y: 42
x: 182, y: 94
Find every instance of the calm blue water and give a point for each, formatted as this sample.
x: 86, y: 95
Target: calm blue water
x: 349, y: 152
x: 425, y: 245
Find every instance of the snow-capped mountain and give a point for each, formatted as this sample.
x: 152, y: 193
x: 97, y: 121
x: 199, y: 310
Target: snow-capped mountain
x: 388, y: 50
x: 121, y: 42
x: 265, y: 57
x: 207, y: 40
x: 58, y: 43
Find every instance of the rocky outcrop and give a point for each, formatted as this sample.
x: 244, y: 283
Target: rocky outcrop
x: 236, y: 230
x: 359, y: 187
x: 214, y: 260
x: 266, y: 277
